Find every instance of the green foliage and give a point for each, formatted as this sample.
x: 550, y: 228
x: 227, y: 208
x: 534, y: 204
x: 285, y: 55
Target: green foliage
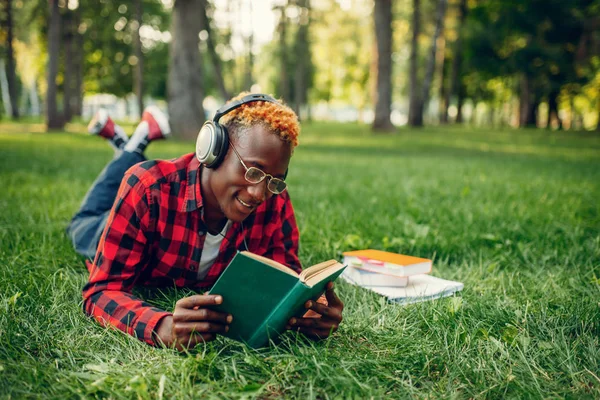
x: 538, y: 39
x: 341, y: 46
x: 512, y: 214
x: 109, y: 59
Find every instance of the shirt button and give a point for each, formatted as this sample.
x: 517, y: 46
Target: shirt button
x: 193, y: 267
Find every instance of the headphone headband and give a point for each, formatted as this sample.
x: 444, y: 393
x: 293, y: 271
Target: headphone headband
x: 213, y: 140
x: 238, y: 103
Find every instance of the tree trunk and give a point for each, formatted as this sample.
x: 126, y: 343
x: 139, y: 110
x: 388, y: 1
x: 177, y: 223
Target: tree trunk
x: 284, y: 82
x: 214, y: 57
x: 528, y: 109
x: 491, y: 114
x: 598, y: 109
x: 439, y: 27
x: 455, y: 78
x: 4, y: 87
x: 68, y: 84
x: 138, y: 72
x: 77, y: 105
x: 53, y: 119
x: 184, y: 85
x: 415, y: 117
x: 383, y: 33
x: 460, y: 100
x: 553, y: 109
x: 444, y: 93
x: 10, y: 61
x: 302, y: 58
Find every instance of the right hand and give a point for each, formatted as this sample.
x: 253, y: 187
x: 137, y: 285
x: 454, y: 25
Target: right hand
x: 193, y: 322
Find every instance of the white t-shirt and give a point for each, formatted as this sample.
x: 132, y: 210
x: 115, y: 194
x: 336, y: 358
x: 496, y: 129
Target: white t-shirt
x: 210, y: 251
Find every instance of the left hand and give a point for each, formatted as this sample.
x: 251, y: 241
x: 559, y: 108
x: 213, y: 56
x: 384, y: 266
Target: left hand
x: 322, y: 318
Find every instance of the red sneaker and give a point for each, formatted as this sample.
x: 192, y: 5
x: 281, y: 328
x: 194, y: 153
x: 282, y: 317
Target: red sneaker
x: 158, y: 123
x: 102, y: 125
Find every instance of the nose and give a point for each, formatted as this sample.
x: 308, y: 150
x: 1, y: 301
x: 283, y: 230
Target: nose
x: 258, y: 191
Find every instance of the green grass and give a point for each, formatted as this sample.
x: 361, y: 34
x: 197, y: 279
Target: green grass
x: 514, y: 215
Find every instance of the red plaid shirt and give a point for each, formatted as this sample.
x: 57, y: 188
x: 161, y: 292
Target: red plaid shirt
x: 154, y: 237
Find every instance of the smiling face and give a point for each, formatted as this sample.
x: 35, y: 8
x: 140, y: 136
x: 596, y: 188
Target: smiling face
x: 225, y: 191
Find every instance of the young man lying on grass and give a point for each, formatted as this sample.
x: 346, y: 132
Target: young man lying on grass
x: 180, y: 222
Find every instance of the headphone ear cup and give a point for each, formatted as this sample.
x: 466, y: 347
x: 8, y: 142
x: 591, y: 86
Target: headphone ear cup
x: 212, y: 144
x: 221, y: 145
x: 205, y: 144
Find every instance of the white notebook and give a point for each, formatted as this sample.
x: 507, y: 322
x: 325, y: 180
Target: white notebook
x: 420, y: 287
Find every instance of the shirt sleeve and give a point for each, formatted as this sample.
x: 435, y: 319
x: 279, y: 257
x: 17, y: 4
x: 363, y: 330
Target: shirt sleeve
x: 284, y: 243
x: 120, y: 259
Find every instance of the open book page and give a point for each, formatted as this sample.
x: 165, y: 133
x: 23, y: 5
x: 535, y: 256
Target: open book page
x: 310, y: 275
x: 320, y: 272
x: 270, y: 262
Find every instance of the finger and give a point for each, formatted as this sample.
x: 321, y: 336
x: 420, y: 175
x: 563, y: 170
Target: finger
x: 326, y: 311
x: 199, y: 300
x: 203, y: 314
x: 332, y: 299
x: 187, y: 328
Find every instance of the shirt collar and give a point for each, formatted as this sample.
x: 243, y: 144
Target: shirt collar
x: 193, y: 195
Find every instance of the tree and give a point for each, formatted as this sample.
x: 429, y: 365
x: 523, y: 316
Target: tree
x: 214, y: 57
x: 444, y: 92
x: 536, y: 44
x: 284, y: 80
x: 184, y: 85
x: 54, y: 120
x: 455, y: 78
x: 138, y: 68
x: 249, y: 64
x: 415, y: 117
x: 76, y: 105
x: 10, y: 61
x: 73, y: 45
x: 108, y: 31
x: 439, y: 27
x: 303, y: 57
x: 339, y: 56
x: 383, y: 34
x: 598, y: 112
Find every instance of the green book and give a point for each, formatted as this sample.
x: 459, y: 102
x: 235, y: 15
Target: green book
x: 262, y: 295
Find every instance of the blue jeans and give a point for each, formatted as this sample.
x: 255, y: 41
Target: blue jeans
x: 87, y: 225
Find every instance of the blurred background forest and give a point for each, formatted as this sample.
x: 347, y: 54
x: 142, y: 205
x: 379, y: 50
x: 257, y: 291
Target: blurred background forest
x: 525, y: 63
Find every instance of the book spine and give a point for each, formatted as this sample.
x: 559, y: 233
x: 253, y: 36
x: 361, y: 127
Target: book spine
x: 275, y: 323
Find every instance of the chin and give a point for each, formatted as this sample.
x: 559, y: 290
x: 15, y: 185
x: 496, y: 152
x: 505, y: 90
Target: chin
x: 236, y: 212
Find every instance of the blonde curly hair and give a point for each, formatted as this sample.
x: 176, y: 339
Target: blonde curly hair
x: 277, y: 118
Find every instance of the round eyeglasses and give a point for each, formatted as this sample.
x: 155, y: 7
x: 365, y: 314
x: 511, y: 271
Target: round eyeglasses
x: 255, y: 175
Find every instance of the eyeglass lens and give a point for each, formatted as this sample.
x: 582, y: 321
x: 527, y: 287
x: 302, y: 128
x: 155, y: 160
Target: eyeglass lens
x: 255, y: 175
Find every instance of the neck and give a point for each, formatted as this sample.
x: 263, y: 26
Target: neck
x: 216, y: 229
x: 214, y: 218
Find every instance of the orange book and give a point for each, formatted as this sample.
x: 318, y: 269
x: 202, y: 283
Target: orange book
x: 387, y: 263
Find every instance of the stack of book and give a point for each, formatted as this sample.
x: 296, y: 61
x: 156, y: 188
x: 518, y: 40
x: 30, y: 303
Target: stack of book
x: 381, y: 268
x: 400, y: 278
